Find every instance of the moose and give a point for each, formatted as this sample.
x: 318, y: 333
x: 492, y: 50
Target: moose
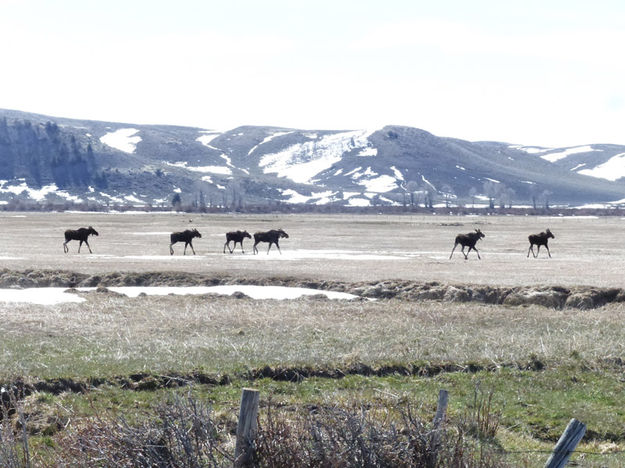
x: 185, y: 236
x: 539, y: 239
x: 468, y: 240
x: 236, y: 237
x: 80, y: 234
x: 271, y: 237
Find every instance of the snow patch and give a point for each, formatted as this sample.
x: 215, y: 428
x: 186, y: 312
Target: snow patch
x: 133, y: 199
x: 267, y: 140
x: 123, y: 139
x: 212, y: 169
x: 368, y: 152
x: 381, y: 184
x: 530, y: 149
x: 207, y: 137
x: 397, y: 172
x: 321, y: 197
x: 612, y: 169
x: 303, y: 161
x: 359, y: 202
x: 553, y: 157
x: 35, y: 194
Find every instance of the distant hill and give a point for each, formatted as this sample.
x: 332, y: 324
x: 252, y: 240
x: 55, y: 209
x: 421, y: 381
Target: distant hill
x: 51, y: 159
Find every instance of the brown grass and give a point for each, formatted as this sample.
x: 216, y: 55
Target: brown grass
x: 111, y: 335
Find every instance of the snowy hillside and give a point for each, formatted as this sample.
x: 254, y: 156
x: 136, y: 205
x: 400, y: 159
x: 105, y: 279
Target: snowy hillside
x: 55, y: 160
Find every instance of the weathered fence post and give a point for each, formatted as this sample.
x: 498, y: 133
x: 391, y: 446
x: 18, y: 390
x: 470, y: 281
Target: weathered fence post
x: 566, y: 445
x: 439, y: 417
x: 247, y: 428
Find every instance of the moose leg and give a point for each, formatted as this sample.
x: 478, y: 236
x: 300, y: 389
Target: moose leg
x: 537, y: 251
x: 88, y: 246
x: 79, y: 246
x: 452, y: 251
x: 530, y: 250
x: 184, y: 252
x: 171, y: 249
x: 278, y: 245
x: 228, y: 244
x: 191, y: 244
x: 547, y: 247
x: 65, y: 248
x: 255, y: 249
x: 466, y: 255
x: 478, y: 253
x: 270, y: 244
x: 242, y: 251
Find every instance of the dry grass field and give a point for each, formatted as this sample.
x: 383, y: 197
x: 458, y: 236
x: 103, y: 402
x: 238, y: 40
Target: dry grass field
x: 542, y: 365
x: 586, y: 251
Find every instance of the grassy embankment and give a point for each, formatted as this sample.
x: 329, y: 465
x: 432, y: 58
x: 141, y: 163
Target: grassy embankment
x: 543, y: 366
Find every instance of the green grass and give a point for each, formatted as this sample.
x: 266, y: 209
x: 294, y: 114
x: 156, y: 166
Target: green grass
x: 533, y: 407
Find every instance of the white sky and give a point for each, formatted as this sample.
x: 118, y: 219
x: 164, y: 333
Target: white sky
x: 548, y: 73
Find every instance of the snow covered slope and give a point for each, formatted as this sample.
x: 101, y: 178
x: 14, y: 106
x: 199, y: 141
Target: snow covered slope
x: 47, y: 159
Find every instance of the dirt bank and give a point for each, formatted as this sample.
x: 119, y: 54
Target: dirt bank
x: 580, y: 297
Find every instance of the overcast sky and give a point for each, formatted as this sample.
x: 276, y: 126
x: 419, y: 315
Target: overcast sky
x: 546, y: 72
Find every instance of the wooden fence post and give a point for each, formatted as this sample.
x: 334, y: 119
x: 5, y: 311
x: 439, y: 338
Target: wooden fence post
x: 566, y: 445
x: 247, y: 428
x: 439, y: 417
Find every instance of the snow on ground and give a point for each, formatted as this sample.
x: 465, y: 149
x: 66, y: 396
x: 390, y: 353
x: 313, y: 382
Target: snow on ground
x: 460, y: 167
x: 37, y: 194
x: 397, y: 172
x: 268, y: 139
x: 357, y: 201
x: 493, y: 180
x: 123, y: 139
x: 212, y: 169
x: 427, y: 182
x: 111, y: 197
x: 51, y: 296
x: 207, y: 136
x: 42, y: 296
x: 321, y: 197
x: 303, y: 161
x: 530, y: 149
x: 133, y: 199
x: 381, y: 184
x: 612, y: 169
x: 303, y: 254
x: 368, y: 152
x: 553, y: 157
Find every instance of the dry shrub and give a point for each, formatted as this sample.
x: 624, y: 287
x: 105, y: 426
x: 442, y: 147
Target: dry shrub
x: 339, y: 437
x: 184, y: 434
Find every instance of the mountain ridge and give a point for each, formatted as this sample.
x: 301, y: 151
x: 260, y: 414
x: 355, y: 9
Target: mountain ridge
x: 45, y: 159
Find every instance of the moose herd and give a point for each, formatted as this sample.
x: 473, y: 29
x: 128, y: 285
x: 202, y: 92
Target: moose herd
x: 273, y: 237
x: 187, y: 236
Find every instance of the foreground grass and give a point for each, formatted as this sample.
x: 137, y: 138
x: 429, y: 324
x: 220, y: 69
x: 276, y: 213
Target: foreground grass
x: 531, y: 408
x: 576, y: 356
x: 110, y: 335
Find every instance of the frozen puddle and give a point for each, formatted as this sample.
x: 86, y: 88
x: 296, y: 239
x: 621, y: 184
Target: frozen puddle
x: 51, y: 296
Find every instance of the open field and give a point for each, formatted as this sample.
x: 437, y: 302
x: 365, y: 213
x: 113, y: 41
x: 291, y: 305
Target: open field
x: 115, y: 355
x: 586, y: 251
